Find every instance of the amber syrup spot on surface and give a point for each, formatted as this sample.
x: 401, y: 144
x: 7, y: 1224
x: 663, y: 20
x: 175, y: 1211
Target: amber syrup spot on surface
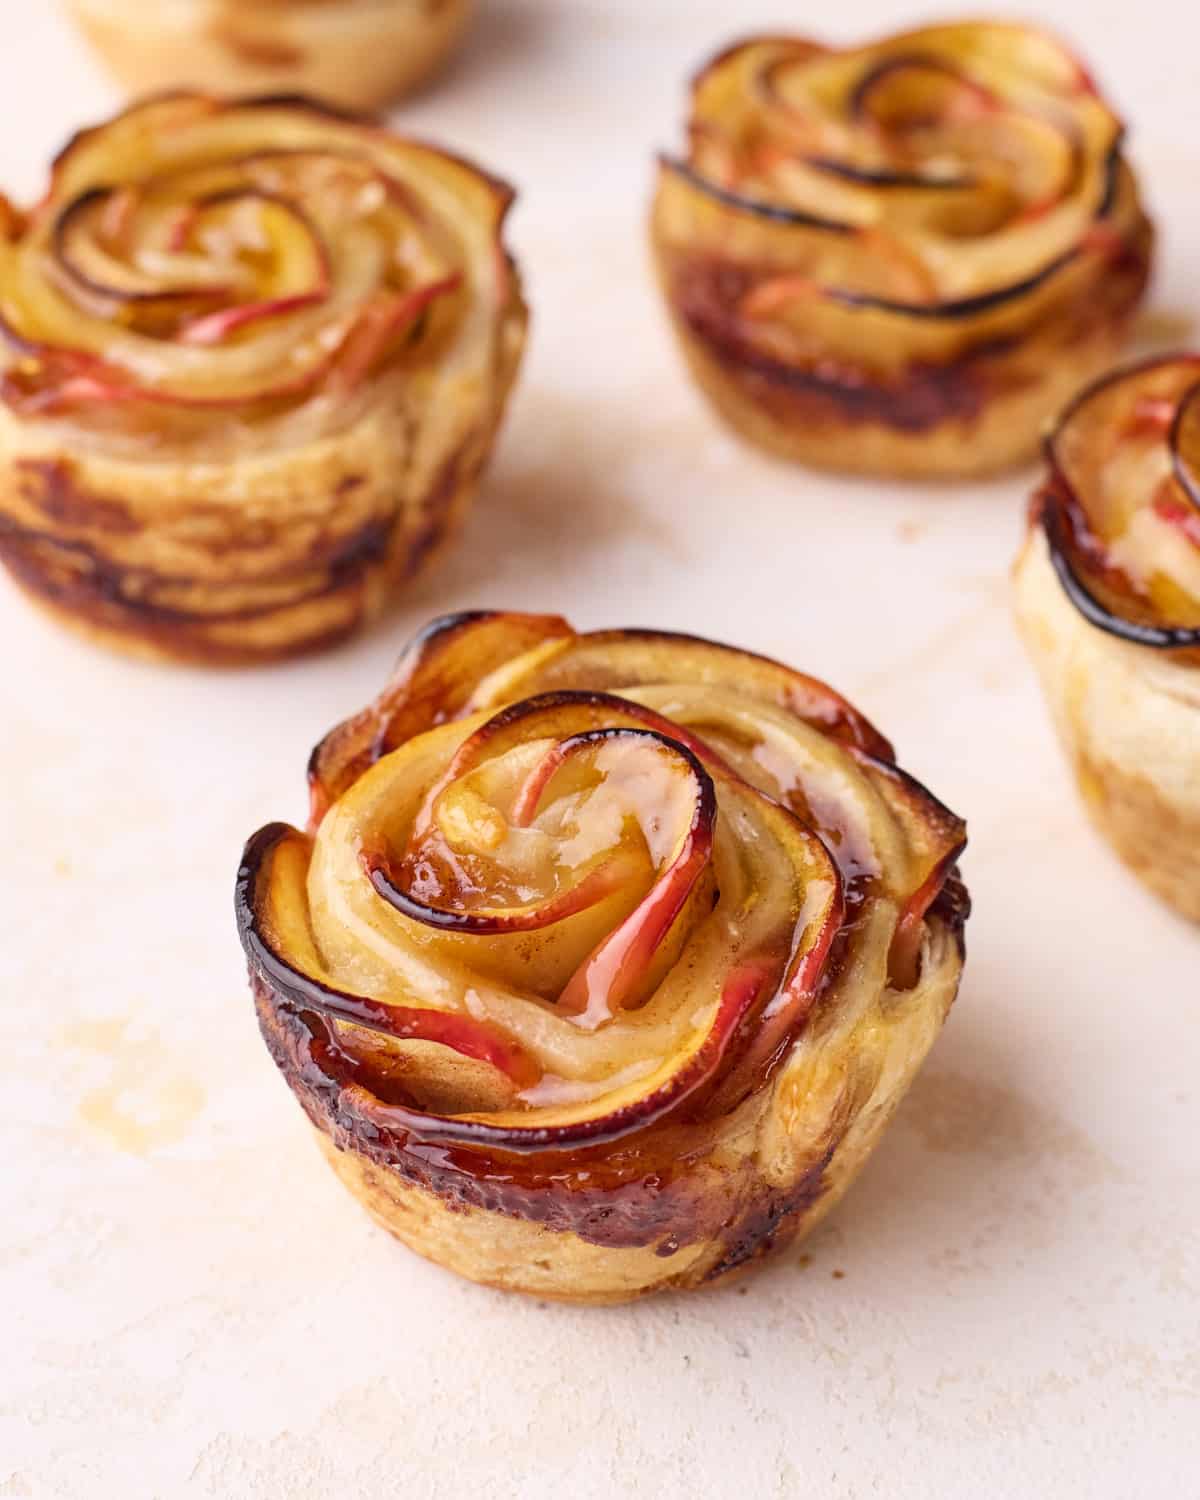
x: 142, y: 1101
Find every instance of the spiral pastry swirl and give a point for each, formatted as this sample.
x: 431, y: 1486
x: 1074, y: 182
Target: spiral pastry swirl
x: 359, y: 54
x: 931, y: 241
x: 605, y: 957
x: 1108, y: 595
x: 252, y: 358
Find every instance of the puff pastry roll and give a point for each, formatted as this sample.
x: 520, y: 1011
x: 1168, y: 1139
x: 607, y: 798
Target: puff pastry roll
x: 356, y: 53
x: 252, y: 358
x: 605, y: 958
x: 903, y: 257
x: 1108, y: 599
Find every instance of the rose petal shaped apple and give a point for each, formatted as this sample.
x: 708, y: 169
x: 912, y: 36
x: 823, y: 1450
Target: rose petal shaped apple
x: 252, y: 359
x: 900, y: 257
x: 604, y: 958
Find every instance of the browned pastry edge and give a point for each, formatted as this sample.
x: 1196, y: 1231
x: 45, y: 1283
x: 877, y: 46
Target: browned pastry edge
x: 554, y: 1228
x: 980, y: 413
x: 341, y: 586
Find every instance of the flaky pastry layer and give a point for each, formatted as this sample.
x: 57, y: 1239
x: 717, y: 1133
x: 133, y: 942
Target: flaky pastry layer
x: 1129, y: 721
x: 605, y: 958
x: 253, y: 356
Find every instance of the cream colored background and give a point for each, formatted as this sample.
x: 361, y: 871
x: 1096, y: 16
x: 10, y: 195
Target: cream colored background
x: 191, y: 1306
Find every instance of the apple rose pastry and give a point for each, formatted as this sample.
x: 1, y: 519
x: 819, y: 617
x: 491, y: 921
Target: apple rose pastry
x: 605, y: 958
x: 357, y: 53
x: 899, y: 258
x: 1108, y: 599
x: 252, y: 359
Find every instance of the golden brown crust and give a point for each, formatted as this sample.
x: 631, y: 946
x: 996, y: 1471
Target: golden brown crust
x: 174, y: 515
x: 858, y: 314
x: 357, y: 53
x: 672, y: 1056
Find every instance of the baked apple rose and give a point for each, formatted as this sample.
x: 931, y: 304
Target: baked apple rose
x: 253, y: 355
x: 606, y: 957
x: 356, y: 53
x: 1108, y: 598
x: 902, y: 257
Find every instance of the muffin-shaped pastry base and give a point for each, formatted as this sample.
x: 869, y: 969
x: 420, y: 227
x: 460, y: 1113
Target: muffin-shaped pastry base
x: 143, y: 557
x: 605, y: 958
x: 901, y: 258
x: 973, y: 418
x: 253, y: 357
x: 1107, y: 593
x: 773, y: 1200
x: 331, y: 530
x: 1129, y: 721
x: 360, y: 54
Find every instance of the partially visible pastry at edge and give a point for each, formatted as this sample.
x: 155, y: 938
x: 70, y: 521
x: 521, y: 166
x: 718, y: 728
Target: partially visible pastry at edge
x: 357, y: 53
x: 1108, y: 599
x: 605, y: 958
x: 252, y: 360
x: 900, y: 258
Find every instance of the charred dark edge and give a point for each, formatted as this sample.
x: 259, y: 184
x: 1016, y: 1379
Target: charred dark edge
x: 930, y: 396
x: 299, y: 991
x: 947, y: 821
x: 881, y: 177
x: 845, y: 723
x: 1127, y: 371
x: 358, y: 742
x: 297, y: 994
x: 960, y: 307
x: 167, y: 294
x: 969, y: 307
x: 667, y: 1203
x: 948, y: 311
x: 376, y: 864
x: 952, y: 906
x: 771, y: 1222
x: 1051, y: 498
x: 772, y: 211
x: 58, y: 231
x: 1156, y: 637
x: 951, y: 901
x: 98, y: 600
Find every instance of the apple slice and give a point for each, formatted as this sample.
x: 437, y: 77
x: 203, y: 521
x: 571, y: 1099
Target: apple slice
x: 272, y: 922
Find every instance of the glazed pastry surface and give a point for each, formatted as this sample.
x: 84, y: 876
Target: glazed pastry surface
x: 901, y: 257
x: 1108, y: 596
x: 357, y: 53
x: 252, y: 359
x: 605, y: 958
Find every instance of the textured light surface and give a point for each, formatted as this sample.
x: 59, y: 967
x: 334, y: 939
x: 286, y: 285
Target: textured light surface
x: 193, y: 1307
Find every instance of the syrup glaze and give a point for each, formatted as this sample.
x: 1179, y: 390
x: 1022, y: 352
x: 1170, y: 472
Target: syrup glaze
x: 623, y: 907
x: 1121, y: 505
